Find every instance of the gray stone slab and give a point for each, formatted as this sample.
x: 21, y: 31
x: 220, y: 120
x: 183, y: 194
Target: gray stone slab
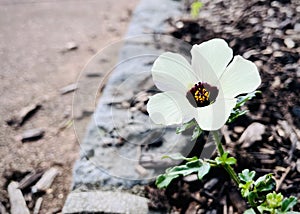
x: 117, y: 149
x: 105, y: 202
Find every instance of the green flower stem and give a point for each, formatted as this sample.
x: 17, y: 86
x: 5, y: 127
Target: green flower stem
x: 227, y: 167
x: 218, y: 142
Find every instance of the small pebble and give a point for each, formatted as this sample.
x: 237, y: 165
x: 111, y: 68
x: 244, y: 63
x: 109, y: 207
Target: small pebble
x: 238, y: 129
x: 190, y: 178
x: 297, y: 27
x: 278, y: 54
x: 71, y: 46
x: 289, y: 43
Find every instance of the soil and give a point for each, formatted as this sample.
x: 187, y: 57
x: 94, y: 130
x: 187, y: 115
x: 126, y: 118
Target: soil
x: 260, y: 31
x: 43, y: 48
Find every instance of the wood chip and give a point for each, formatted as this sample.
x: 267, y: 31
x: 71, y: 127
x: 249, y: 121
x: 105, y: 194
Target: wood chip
x: 209, y: 185
x: 31, y: 135
x: 46, y: 180
x: 225, y: 207
x: 69, y: 88
x: 298, y: 165
x: 190, y: 178
x: 292, y: 135
x: 276, y: 83
x: 92, y: 75
x: 237, y: 201
x: 238, y: 129
x: 289, y: 43
x: 38, y: 205
x: 252, y: 134
x: 23, y: 115
x: 279, y: 183
x: 29, y: 179
x: 267, y: 151
x: 141, y: 170
x: 17, y: 201
x: 2, y: 209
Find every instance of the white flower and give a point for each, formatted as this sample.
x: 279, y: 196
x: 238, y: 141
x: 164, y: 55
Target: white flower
x: 204, y: 90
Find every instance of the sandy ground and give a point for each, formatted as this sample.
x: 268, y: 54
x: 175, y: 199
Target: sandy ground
x: 34, y: 66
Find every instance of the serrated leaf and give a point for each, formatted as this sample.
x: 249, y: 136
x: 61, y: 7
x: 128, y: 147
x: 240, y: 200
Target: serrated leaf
x: 241, y: 100
x: 252, y: 196
x: 265, y: 183
x: 185, y: 169
x: 196, y: 133
x: 163, y: 181
x: 182, y: 170
x: 186, y: 126
x: 246, y: 188
x: 236, y: 113
x: 219, y: 160
x: 203, y: 170
x: 178, y: 156
x: 230, y: 161
x: 288, y: 203
x: 246, y: 175
x: 225, y: 160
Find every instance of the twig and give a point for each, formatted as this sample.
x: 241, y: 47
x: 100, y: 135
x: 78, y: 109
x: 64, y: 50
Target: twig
x: 282, y: 178
x: 225, y: 208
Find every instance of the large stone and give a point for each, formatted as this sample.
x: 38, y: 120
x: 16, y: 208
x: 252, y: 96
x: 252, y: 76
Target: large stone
x: 105, y: 202
x: 122, y: 146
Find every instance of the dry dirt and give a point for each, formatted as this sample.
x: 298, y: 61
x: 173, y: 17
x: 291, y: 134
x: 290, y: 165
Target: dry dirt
x: 35, y: 64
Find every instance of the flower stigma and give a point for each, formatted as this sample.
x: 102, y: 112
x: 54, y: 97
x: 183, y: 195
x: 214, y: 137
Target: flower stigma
x: 202, y: 94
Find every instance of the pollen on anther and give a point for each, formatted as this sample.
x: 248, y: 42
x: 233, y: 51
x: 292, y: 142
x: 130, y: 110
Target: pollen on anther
x: 200, y: 96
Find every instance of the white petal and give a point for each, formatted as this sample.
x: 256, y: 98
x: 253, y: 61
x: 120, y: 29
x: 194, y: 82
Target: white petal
x: 241, y: 76
x: 214, y: 116
x: 172, y: 72
x: 211, y: 56
x: 169, y: 108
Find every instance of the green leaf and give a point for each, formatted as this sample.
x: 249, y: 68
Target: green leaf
x: 252, y: 198
x: 178, y: 156
x: 288, y: 203
x: 246, y: 188
x: 241, y: 100
x: 274, y: 200
x: 183, y: 170
x: 236, y: 113
x: 249, y: 211
x: 203, y: 170
x: 264, y: 209
x: 190, y: 167
x: 163, y: 181
x: 225, y: 160
x: 219, y: 160
x: 247, y: 175
x: 230, y: 161
x: 186, y: 126
x: 195, y: 8
x: 196, y: 133
x: 265, y: 183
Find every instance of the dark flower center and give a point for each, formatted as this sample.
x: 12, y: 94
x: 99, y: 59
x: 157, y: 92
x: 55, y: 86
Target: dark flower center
x: 202, y: 94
